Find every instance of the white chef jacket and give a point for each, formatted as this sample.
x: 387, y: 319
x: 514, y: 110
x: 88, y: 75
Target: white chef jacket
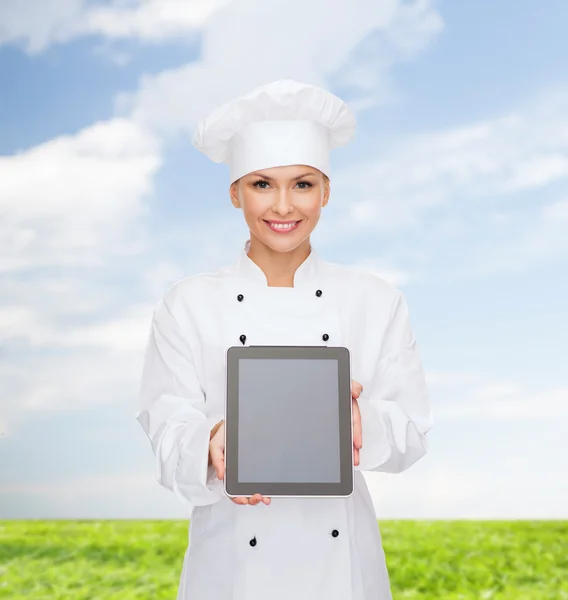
x: 293, y: 548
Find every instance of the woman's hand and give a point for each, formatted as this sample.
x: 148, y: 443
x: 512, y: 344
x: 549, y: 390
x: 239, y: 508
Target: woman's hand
x: 356, y: 390
x: 217, y: 459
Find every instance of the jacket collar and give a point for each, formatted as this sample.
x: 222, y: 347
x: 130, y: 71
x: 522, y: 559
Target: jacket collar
x: 305, y: 275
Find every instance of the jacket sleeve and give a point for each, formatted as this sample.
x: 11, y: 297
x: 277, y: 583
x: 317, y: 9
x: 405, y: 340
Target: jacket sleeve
x: 173, y: 412
x: 395, y: 406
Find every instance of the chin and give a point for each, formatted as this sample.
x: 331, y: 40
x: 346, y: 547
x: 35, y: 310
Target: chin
x: 284, y: 245
x: 279, y: 242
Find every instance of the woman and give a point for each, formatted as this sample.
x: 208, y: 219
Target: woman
x: 276, y: 141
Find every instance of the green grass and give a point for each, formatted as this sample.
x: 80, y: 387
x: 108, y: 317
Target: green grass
x: 427, y: 560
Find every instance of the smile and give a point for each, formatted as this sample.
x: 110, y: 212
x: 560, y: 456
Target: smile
x: 283, y: 227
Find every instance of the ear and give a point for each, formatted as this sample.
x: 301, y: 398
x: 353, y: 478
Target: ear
x: 234, y: 194
x: 326, y: 192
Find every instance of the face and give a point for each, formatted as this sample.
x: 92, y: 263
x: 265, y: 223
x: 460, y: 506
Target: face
x: 281, y: 205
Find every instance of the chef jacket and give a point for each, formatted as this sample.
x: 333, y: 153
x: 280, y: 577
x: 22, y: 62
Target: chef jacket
x: 294, y: 548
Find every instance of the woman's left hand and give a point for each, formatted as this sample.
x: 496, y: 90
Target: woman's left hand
x: 356, y: 390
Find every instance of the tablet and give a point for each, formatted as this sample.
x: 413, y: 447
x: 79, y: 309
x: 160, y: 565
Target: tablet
x: 288, y: 421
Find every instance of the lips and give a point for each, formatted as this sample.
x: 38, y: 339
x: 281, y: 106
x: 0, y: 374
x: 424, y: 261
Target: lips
x: 282, y: 226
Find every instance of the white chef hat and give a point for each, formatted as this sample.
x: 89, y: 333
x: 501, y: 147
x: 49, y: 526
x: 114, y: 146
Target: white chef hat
x: 281, y: 123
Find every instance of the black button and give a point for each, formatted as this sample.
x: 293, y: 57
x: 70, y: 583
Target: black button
x: 240, y: 297
x: 253, y: 541
x: 243, y: 338
x: 325, y: 337
x: 318, y: 293
x: 335, y: 533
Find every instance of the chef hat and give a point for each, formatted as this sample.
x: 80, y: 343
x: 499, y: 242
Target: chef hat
x: 280, y: 123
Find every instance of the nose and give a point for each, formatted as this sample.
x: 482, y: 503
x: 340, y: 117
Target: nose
x: 282, y: 204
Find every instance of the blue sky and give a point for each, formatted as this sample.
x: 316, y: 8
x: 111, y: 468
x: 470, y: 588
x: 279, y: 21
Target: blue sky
x: 455, y: 188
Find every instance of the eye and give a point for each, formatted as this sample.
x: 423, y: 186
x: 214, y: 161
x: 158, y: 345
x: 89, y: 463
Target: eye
x: 308, y: 184
x: 258, y: 181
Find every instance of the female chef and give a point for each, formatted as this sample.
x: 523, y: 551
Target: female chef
x: 276, y: 141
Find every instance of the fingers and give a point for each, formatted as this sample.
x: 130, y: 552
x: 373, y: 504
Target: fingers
x: 253, y: 500
x: 356, y: 389
x: 217, y: 454
x: 357, y: 428
x: 357, y: 432
x: 217, y: 460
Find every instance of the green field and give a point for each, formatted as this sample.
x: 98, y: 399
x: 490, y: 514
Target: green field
x: 121, y: 560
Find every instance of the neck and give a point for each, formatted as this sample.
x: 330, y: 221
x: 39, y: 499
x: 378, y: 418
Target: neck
x: 278, y: 267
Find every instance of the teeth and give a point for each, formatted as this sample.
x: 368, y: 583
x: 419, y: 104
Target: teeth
x: 282, y: 225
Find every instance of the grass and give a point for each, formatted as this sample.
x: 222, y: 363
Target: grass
x: 427, y: 560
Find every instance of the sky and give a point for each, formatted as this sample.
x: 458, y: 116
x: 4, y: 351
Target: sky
x: 455, y: 189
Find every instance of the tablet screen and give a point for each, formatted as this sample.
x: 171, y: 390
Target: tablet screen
x: 288, y: 427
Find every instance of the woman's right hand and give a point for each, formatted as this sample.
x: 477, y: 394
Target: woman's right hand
x: 217, y: 459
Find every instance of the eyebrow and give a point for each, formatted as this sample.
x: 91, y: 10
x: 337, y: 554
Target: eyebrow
x: 293, y: 178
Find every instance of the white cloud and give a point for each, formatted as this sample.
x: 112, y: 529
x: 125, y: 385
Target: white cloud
x: 128, y: 495
x: 441, y: 491
x: 74, y: 342
x: 68, y: 200
x: 149, y: 19
x: 68, y: 208
x: 396, y: 188
x: 536, y: 171
x: 37, y: 24
x: 448, y: 492
x: 248, y: 43
x: 74, y: 380
x: 126, y: 333
x: 85, y: 484
x: 397, y: 277
x: 23, y: 325
x: 467, y: 395
x: 503, y: 401
x: 521, y: 243
x: 548, y: 236
x: 439, y: 379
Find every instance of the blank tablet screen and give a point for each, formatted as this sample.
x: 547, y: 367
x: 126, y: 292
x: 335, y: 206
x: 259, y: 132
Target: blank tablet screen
x: 288, y: 427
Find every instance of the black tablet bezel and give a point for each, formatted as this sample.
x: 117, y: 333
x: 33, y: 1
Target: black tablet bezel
x: 269, y: 488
